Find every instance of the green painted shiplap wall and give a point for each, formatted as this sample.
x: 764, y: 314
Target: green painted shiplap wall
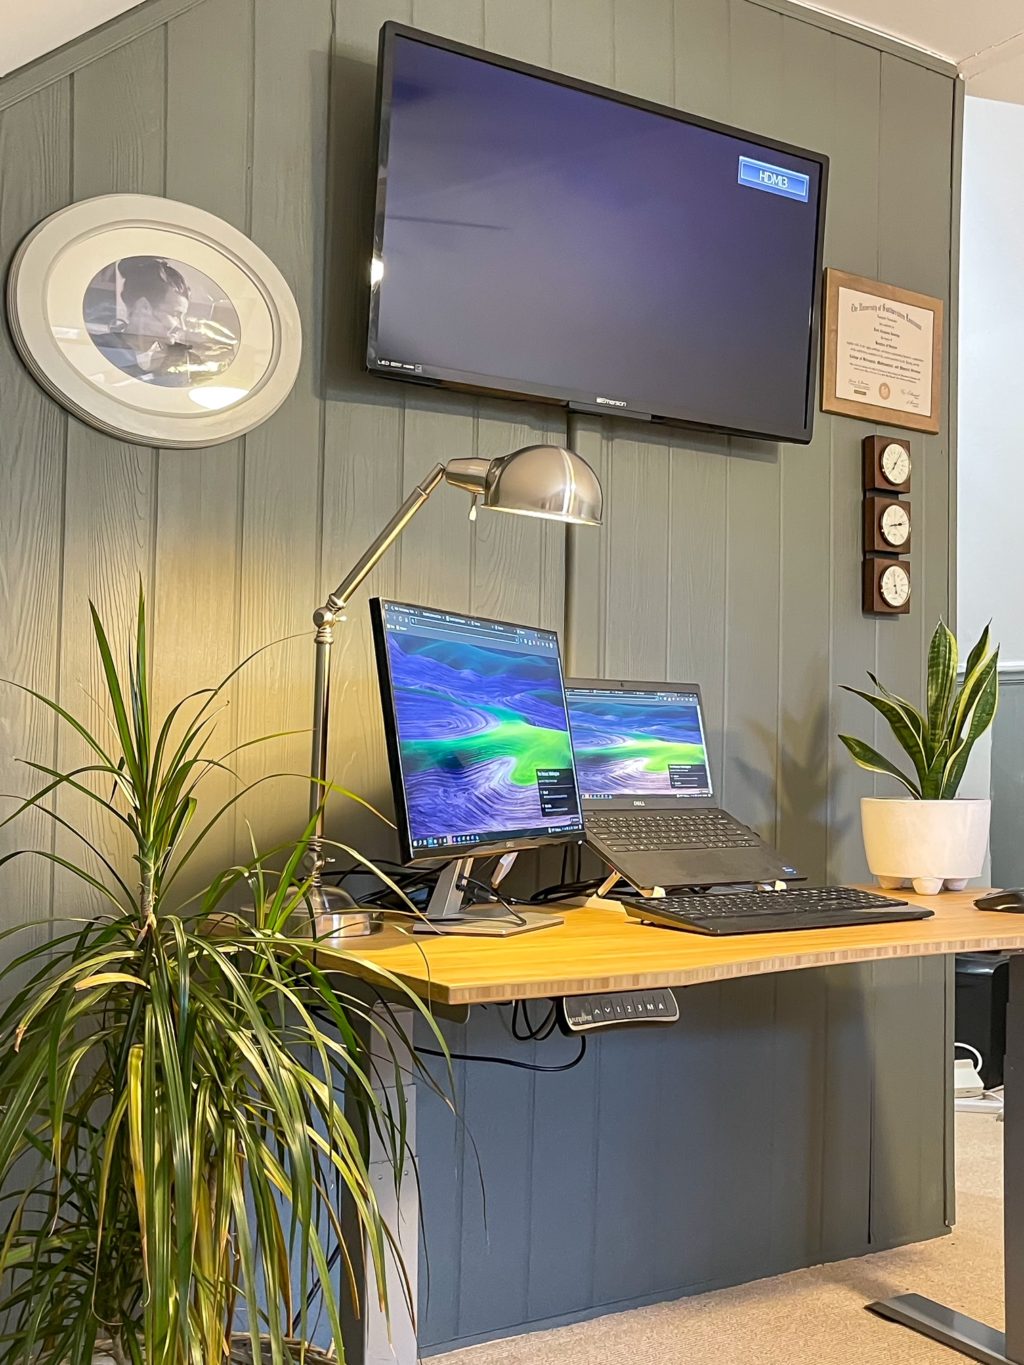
x: 731, y: 562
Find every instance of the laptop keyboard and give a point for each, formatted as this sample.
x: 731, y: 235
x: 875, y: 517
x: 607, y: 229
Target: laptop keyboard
x: 668, y: 831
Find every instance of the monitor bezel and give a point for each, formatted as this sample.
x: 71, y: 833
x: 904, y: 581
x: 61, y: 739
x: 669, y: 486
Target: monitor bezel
x: 508, y: 386
x: 644, y: 800
x: 447, y: 853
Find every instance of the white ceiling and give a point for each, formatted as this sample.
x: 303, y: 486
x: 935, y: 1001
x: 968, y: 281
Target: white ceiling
x: 28, y: 30
x: 978, y: 35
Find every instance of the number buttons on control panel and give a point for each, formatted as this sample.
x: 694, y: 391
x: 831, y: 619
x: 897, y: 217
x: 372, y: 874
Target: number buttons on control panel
x: 580, y: 1013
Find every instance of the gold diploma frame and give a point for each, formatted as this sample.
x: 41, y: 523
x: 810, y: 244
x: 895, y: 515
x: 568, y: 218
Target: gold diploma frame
x: 882, y: 356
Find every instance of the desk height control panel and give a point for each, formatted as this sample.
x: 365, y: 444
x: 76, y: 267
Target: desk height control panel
x: 581, y: 1013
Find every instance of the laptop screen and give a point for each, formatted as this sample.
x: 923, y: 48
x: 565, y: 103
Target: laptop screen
x: 631, y: 742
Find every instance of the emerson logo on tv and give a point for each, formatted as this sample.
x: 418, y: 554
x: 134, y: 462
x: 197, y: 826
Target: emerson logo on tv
x: 760, y: 175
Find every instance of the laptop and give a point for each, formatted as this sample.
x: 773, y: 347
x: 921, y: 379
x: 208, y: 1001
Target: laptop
x: 648, y: 799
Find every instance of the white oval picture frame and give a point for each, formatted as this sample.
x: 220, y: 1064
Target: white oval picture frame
x: 155, y: 322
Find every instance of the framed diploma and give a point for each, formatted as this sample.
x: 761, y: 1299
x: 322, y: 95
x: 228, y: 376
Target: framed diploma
x: 883, y: 353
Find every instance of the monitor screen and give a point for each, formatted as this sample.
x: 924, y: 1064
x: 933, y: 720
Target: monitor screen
x: 639, y: 742
x: 537, y: 236
x: 478, y: 732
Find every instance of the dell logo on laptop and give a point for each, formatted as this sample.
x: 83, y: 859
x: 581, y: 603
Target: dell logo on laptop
x: 639, y: 803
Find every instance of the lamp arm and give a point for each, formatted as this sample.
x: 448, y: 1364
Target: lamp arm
x: 324, y: 619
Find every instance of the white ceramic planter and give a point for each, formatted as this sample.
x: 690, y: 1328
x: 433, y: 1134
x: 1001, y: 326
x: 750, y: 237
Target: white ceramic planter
x: 929, y: 843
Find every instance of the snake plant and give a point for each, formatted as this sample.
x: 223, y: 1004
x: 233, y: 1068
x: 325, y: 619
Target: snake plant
x: 938, y: 740
x: 185, y: 1097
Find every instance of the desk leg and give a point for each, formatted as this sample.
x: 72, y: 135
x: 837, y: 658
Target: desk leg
x: 945, y: 1325
x: 367, y: 1339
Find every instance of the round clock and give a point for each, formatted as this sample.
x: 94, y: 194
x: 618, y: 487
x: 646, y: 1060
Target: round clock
x: 895, y: 524
x: 894, y: 585
x: 895, y: 462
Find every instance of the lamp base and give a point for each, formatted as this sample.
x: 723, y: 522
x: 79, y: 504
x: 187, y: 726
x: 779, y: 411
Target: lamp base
x: 335, y: 915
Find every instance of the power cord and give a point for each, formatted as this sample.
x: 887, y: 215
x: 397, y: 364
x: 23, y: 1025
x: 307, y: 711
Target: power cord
x: 562, y: 889
x: 532, y: 1033
x: 509, y: 1061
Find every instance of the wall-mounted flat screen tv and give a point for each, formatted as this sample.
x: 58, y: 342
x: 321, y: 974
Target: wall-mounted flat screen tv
x: 540, y: 237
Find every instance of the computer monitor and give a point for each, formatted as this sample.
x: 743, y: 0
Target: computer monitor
x: 639, y: 743
x: 477, y: 733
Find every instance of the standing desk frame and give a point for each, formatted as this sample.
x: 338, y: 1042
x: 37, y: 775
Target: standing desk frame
x: 600, y: 949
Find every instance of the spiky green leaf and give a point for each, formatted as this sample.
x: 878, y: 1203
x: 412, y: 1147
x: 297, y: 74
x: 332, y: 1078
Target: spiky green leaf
x: 981, y: 718
x: 942, y: 666
x: 867, y: 757
x: 906, y: 735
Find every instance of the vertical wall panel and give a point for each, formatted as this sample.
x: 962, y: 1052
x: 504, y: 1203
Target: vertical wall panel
x: 910, y: 1094
x: 695, y: 645
x: 518, y: 562
x: 198, y: 497
x: 851, y: 243
x: 497, y: 1230
x: 582, y: 39
x: 749, y: 775
x: 364, y: 424
x: 701, y: 41
x: 32, y: 441
x: 804, y: 737
x: 744, y: 1052
x: 638, y: 541
x: 699, y: 469
x: 562, y: 1192
x: 118, y: 147
x: 281, y: 511
x: 644, y: 37
x: 914, y: 252
x: 452, y: 1162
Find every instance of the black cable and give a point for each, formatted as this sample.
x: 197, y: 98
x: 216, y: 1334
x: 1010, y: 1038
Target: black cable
x: 562, y: 889
x: 489, y: 890
x: 532, y: 1032
x: 509, y: 1061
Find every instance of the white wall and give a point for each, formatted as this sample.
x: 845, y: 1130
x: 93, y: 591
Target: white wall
x: 990, y: 436
x: 990, y: 465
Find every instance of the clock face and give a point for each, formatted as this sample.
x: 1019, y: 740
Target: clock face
x: 895, y: 463
x: 894, y: 585
x: 895, y: 524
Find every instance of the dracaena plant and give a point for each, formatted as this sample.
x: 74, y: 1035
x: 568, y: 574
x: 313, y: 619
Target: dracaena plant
x: 938, y: 741
x: 174, y: 1145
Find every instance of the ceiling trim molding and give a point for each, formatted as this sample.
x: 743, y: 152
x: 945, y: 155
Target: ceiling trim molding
x: 870, y: 37
x: 990, y: 57
x: 88, y: 48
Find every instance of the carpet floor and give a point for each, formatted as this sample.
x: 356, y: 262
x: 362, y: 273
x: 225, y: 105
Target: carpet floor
x: 809, y: 1317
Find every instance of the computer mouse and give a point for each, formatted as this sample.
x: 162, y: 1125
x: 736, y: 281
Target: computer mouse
x: 1012, y: 901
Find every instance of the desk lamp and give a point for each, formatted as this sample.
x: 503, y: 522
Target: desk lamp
x: 537, y: 481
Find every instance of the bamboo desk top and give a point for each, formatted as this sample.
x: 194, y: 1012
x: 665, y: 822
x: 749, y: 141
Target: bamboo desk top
x: 601, y: 949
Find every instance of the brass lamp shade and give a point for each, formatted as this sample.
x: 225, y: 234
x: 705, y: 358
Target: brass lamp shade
x: 537, y: 481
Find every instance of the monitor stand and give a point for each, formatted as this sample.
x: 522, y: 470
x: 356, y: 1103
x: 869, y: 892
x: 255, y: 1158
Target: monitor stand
x: 446, y: 913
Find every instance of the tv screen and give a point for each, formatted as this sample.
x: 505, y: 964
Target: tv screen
x: 537, y: 236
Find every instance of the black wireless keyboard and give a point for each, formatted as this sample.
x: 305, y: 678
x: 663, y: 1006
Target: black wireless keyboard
x: 664, y: 831
x: 772, y: 912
